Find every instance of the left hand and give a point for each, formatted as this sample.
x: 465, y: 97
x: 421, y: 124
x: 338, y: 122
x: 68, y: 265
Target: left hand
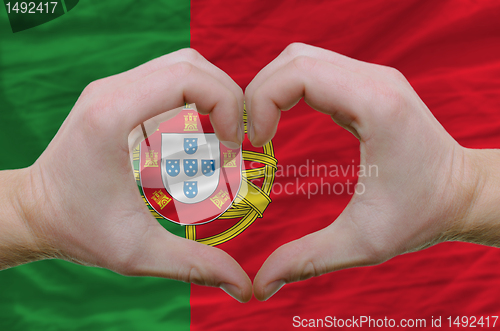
x: 80, y: 202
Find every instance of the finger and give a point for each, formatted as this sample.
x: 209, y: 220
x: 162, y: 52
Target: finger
x: 163, y: 254
x: 333, y: 90
x: 167, y: 89
x: 327, y: 250
x: 184, y: 55
x: 147, y: 128
x: 295, y: 50
x: 189, y: 55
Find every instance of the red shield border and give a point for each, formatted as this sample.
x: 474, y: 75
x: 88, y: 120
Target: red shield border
x: 188, y: 121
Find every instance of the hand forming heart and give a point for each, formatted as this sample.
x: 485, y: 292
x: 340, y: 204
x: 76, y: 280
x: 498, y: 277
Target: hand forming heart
x: 428, y: 189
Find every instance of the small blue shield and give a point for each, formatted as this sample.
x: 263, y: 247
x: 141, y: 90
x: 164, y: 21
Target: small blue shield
x: 190, y: 189
x: 190, y: 167
x: 190, y: 145
x: 187, y: 152
x: 173, y: 167
x: 208, y: 167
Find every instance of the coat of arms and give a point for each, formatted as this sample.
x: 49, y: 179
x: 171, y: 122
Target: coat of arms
x: 195, y: 181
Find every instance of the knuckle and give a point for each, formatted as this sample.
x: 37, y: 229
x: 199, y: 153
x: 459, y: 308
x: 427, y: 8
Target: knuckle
x: 295, y: 49
x: 93, y: 88
x: 311, y: 269
x: 189, y: 54
x: 394, y: 74
x: 194, y: 276
x: 181, y: 69
x: 98, y: 112
x: 304, y: 63
x: 392, y: 98
x: 391, y: 102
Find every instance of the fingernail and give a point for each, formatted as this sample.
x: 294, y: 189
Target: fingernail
x: 250, y: 131
x: 230, y: 144
x: 232, y: 290
x: 272, y: 288
x: 241, y: 131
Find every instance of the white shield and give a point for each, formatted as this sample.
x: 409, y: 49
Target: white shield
x: 173, y: 150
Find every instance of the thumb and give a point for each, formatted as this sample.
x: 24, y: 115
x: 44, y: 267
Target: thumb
x: 163, y: 254
x: 332, y: 248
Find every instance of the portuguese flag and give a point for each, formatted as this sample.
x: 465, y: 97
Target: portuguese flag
x: 448, y: 50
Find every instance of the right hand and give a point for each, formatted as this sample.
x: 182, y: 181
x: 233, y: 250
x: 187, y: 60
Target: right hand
x: 425, y: 184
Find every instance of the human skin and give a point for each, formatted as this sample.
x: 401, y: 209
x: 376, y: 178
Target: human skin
x: 79, y: 201
x: 86, y: 208
x: 429, y: 189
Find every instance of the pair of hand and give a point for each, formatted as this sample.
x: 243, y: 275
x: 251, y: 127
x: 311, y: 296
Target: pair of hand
x: 83, y: 204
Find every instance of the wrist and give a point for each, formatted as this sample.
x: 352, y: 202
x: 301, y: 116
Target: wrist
x: 480, y: 220
x: 19, y: 243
